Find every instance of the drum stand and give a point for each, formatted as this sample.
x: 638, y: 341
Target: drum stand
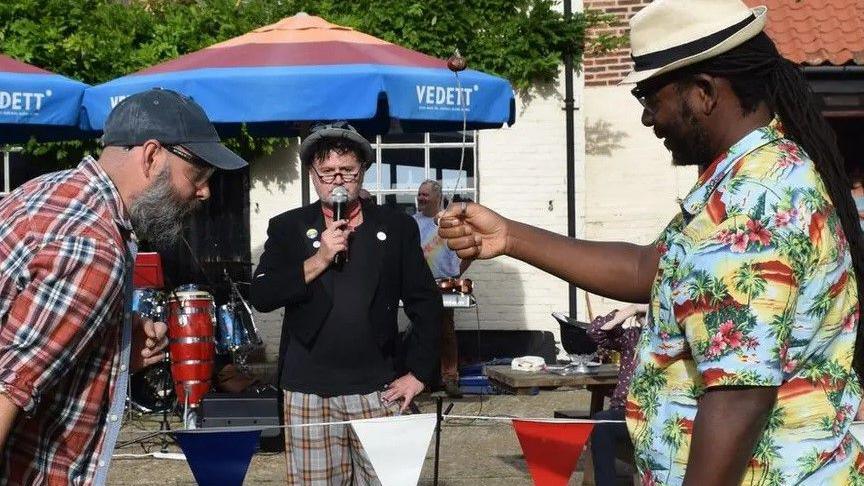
x: 164, y: 426
x: 250, y: 339
x: 190, y: 415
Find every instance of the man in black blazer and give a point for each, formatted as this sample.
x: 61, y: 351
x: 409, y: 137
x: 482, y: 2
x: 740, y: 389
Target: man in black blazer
x: 341, y: 357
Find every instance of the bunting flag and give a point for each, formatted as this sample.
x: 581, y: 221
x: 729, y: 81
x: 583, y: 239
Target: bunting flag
x: 396, y: 446
x: 219, y: 456
x: 552, y: 448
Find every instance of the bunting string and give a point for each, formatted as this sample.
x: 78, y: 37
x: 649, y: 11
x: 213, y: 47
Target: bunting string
x: 348, y: 422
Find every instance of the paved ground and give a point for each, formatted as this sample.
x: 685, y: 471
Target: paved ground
x: 476, y: 453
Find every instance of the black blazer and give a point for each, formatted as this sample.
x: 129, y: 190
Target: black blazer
x: 402, y: 273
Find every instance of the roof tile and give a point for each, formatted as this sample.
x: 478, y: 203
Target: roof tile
x: 816, y: 32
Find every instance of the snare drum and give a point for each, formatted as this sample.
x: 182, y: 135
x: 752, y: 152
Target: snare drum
x: 236, y: 329
x: 226, y: 341
x: 191, y: 325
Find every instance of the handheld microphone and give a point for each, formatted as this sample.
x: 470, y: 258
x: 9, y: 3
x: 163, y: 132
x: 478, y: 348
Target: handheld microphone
x: 339, y: 198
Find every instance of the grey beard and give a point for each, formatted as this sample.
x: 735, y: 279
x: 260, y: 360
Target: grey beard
x: 157, y: 214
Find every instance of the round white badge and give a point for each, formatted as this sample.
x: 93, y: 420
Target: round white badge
x: 316, y: 244
x: 382, y: 235
x: 311, y: 233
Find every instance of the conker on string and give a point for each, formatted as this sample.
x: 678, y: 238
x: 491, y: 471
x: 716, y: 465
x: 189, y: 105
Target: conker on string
x: 456, y: 62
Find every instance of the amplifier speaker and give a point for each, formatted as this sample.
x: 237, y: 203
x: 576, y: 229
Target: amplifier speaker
x: 485, y: 345
x: 245, y: 409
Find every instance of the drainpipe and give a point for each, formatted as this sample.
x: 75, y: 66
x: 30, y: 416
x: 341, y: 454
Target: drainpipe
x: 570, y: 111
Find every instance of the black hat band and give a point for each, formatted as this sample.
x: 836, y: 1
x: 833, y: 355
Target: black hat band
x: 658, y: 59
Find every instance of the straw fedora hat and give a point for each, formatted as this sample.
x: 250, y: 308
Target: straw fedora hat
x: 670, y: 34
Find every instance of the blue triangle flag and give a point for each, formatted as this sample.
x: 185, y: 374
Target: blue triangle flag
x: 218, y: 457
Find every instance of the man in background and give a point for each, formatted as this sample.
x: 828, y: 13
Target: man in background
x: 444, y: 263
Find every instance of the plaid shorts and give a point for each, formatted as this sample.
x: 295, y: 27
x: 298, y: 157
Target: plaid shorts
x: 329, y: 455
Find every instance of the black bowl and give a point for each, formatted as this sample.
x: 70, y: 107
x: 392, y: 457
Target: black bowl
x: 574, y: 336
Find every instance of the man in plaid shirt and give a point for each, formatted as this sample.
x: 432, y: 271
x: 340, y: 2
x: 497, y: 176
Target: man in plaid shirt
x: 67, y: 247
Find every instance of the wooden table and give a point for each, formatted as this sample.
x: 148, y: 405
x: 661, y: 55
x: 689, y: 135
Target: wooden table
x: 599, y: 382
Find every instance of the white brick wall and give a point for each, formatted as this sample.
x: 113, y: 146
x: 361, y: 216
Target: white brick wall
x: 274, y: 188
x: 632, y: 188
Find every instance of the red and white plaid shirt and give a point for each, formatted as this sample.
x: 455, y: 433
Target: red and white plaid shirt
x: 63, y: 263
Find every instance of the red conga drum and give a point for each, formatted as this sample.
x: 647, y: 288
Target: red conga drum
x: 191, y: 343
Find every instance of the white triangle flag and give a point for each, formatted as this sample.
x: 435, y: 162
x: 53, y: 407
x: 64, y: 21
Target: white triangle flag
x: 396, y: 446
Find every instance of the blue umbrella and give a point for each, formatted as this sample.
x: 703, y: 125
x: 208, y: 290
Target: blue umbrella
x: 278, y: 78
x: 37, y: 103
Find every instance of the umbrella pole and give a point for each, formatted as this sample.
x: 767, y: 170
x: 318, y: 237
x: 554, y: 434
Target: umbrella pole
x: 7, y: 154
x: 6, y: 186
x: 438, y: 419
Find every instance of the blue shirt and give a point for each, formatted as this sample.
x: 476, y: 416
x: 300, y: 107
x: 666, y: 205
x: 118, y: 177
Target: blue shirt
x: 442, y: 260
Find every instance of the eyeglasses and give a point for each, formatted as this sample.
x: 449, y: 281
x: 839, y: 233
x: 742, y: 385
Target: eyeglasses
x: 203, y: 170
x: 181, y: 152
x: 646, y: 91
x: 330, y: 177
x: 645, y: 96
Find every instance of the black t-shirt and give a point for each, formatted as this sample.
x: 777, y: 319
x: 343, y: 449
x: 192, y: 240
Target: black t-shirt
x: 344, y: 358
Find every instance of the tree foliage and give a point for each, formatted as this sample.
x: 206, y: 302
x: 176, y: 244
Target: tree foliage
x: 98, y: 40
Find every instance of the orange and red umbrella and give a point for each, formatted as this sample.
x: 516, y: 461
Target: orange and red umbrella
x: 304, y: 68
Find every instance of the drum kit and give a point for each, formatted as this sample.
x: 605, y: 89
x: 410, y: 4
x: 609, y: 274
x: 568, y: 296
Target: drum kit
x: 198, y: 331
x: 238, y: 335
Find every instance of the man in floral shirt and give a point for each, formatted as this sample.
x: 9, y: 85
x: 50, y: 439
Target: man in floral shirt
x: 755, y: 288
x: 750, y: 364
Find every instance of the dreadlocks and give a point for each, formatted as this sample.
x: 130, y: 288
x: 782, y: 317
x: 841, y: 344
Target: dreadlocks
x: 759, y: 74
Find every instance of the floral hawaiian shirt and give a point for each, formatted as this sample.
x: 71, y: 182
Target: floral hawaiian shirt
x: 755, y: 287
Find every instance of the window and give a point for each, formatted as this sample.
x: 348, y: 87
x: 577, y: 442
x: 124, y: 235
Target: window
x: 404, y: 161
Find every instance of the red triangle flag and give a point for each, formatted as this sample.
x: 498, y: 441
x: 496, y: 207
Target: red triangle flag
x: 552, y: 449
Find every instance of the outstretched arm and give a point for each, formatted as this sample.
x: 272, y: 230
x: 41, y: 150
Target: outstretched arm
x: 622, y: 271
